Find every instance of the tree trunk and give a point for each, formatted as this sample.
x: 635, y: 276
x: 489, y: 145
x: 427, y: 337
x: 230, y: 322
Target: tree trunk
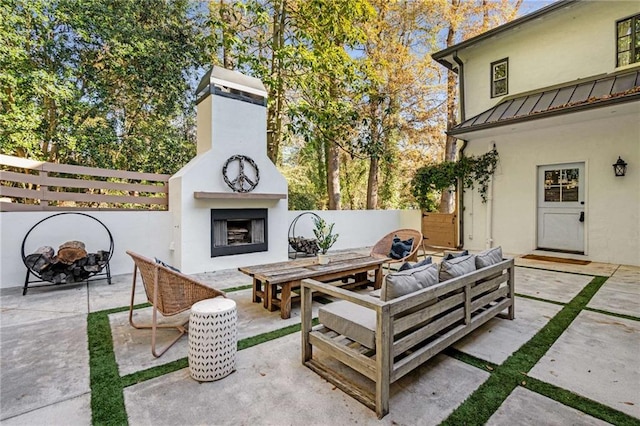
x: 275, y: 111
x: 447, y: 199
x: 333, y: 175
x: 372, y: 184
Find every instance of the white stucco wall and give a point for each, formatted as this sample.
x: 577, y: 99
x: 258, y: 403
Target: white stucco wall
x: 572, y: 43
x: 150, y: 233
x: 144, y: 232
x: 358, y: 228
x: 612, y: 204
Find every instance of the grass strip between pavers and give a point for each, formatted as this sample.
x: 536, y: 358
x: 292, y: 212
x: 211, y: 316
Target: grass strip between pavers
x: 540, y: 299
x: 481, y: 404
x: 613, y: 314
x: 107, y: 400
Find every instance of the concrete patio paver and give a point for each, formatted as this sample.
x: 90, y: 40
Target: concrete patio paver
x: 496, y: 340
x: 592, y: 268
x: 271, y: 386
x: 42, y: 304
x: 43, y: 363
x: 524, y: 408
x: 597, y: 357
x: 72, y: 412
x: 621, y: 293
x: 550, y: 285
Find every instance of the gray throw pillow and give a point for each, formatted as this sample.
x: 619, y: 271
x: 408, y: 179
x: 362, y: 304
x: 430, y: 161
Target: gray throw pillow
x: 457, y: 267
x: 405, y: 282
x: 409, y: 265
x: 450, y: 255
x: 488, y: 257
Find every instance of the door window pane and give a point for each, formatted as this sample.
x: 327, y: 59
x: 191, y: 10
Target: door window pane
x: 552, y: 194
x: 562, y: 185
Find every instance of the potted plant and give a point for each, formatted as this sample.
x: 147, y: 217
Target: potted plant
x: 326, y: 238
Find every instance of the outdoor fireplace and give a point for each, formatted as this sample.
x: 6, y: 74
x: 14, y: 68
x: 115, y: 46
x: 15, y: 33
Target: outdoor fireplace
x: 237, y: 231
x: 229, y: 203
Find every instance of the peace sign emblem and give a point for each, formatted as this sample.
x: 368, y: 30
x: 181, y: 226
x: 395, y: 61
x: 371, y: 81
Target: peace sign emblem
x: 245, y: 180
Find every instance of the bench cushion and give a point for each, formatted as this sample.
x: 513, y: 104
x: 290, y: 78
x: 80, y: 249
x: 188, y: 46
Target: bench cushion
x: 488, y: 257
x: 354, y: 321
x: 404, y: 282
x: 457, y: 267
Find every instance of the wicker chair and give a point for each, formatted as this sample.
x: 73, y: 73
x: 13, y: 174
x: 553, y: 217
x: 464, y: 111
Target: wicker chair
x: 383, y: 247
x: 169, y: 292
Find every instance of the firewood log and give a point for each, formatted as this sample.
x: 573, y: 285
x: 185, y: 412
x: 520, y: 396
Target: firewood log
x: 71, y: 251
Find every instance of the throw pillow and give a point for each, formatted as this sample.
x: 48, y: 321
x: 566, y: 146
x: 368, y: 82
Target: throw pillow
x: 457, y: 267
x: 450, y: 256
x: 488, y: 257
x: 405, y: 282
x: 408, y: 265
x: 399, y: 248
x: 166, y: 265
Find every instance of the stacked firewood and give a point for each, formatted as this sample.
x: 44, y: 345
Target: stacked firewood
x: 71, y: 264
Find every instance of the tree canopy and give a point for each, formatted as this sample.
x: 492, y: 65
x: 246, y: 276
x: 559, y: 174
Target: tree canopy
x: 355, y: 106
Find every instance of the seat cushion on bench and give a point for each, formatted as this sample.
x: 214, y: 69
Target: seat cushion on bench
x: 457, y: 267
x: 354, y: 321
x: 404, y: 282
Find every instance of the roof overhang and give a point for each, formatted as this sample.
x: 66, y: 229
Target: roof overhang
x: 575, y: 117
x: 585, y: 94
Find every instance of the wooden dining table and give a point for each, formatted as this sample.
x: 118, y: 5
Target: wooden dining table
x: 278, y: 279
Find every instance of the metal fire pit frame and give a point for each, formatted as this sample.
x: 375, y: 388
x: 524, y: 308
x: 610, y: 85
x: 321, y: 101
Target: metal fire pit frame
x: 106, y: 268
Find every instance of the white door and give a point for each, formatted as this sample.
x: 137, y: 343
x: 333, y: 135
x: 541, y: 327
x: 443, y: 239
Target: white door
x: 561, y: 207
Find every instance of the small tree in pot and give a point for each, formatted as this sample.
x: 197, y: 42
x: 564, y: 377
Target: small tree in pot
x: 325, y: 236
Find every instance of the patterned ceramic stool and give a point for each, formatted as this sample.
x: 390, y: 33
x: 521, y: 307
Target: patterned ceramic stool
x: 213, y: 339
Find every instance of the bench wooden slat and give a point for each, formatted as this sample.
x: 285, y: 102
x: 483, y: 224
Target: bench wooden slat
x: 346, y: 355
x: 417, y: 358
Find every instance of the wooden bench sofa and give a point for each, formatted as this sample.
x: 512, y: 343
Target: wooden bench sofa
x: 385, y: 339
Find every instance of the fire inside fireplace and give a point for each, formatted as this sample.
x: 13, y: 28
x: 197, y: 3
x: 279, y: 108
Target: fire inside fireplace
x: 237, y: 231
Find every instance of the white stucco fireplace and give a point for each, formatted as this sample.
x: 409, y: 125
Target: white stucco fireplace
x: 229, y: 203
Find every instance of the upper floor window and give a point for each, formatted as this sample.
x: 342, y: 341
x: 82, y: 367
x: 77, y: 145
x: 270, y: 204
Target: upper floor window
x: 628, y: 46
x: 499, y: 78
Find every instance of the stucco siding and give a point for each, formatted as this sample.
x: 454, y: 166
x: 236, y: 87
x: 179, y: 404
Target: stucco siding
x: 612, y: 204
x: 573, y: 43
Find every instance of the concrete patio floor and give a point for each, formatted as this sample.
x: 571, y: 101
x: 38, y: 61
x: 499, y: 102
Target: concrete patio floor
x: 45, y: 373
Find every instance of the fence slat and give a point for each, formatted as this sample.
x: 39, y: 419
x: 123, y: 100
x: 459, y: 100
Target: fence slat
x: 43, y: 183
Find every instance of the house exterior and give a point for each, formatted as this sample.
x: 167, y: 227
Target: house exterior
x: 557, y: 93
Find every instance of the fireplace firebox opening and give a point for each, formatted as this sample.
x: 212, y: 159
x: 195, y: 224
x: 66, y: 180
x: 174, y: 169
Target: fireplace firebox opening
x: 238, y: 231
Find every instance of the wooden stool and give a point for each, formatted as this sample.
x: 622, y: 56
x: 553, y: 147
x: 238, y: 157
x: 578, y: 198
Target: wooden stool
x: 213, y: 339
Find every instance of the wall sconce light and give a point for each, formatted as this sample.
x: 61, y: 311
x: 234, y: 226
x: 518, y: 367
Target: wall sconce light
x: 620, y: 167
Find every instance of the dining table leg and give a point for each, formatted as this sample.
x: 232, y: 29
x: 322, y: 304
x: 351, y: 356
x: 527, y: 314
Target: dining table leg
x: 285, y: 299
x: 378, y: 277
x: 270, y: 292
x: 257, y: 288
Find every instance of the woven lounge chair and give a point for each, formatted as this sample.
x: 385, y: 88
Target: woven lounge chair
x: 169, y: 292
x: 383, y: 247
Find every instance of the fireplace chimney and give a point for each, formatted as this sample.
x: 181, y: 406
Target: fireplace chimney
x: 231, y: 111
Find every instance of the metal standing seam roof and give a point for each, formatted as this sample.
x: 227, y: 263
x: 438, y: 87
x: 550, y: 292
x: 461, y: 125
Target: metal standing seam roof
x: 622, y: 87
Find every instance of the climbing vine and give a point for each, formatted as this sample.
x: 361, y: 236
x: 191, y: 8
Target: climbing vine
x: 471, y: 171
